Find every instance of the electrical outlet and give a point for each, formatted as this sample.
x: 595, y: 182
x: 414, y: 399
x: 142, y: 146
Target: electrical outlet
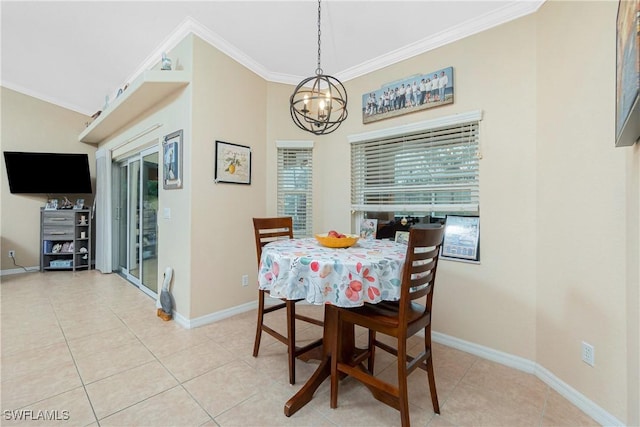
x: 588, y: 354
x: 12, y: 254
x: 245, y: 280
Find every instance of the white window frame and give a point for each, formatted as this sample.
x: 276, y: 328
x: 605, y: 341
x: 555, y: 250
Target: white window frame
x: 303, y: 187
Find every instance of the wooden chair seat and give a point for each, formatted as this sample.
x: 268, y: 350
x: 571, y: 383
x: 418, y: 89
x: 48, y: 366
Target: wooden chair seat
x: 385, y: 316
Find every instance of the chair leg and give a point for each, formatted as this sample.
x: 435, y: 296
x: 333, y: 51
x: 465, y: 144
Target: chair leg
x: 335, y: 380
x: 256, y: 344
x: 291, y: 340
x: 430, y: 372
x: 372, y: 350
x: 403, y: 398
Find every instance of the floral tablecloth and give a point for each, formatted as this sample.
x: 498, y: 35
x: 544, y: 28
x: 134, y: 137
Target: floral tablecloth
x: 369, y: 271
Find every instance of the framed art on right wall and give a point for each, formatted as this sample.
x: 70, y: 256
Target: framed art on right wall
x: 628, y: 73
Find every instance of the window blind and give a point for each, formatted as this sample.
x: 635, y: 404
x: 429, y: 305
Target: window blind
x: 295, y: 173
x: 430, y: 170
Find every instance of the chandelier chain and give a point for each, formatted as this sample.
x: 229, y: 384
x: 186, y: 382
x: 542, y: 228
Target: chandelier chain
x: 319, y: 104
x: 319, y: 69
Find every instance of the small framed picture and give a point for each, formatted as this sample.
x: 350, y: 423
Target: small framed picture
x: 462, y: 237
x: 368, y: 228
x: 172, y: 161
x: 232, y: 163
x: 52, y: 205
x: 402, y: 237
x: 79, y: 204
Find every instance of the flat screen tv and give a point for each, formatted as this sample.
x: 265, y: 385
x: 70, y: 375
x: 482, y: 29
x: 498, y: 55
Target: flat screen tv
x: 47, y: 173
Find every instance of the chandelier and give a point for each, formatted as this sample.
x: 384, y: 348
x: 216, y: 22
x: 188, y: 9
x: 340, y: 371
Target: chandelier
x: 319, y: 103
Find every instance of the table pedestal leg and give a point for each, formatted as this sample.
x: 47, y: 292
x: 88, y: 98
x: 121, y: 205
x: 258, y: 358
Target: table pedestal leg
x: 304, y: 395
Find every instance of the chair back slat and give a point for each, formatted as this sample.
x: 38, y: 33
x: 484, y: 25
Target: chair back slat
x: 420, y: 268
x: 267, y: 230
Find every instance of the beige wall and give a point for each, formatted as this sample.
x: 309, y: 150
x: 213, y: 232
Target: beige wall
x: 478, y: 86
x: 229, y: 104
x: 560, y: 208
x: 581, y: 207
x: 29, y: 124
x: 506, y: 277
x: 633, y: 284
x: 559, y: 203
x: 172, y: 113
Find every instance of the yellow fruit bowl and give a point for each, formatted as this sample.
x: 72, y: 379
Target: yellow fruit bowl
x: 337, y: 242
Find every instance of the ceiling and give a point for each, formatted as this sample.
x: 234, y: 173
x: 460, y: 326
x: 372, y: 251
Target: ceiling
x: 74, y: 53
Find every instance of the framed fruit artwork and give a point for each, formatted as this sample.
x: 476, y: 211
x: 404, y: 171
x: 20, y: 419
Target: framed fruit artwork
x: 232, y: 163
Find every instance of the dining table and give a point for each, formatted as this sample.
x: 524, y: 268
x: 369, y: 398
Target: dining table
x: 370, y: 271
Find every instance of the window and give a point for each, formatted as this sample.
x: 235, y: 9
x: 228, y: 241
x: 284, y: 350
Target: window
x: 424, y: 169
x: 295, y: 173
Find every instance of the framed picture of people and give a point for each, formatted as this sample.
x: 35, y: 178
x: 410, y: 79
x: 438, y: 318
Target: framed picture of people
x: 408, y: 95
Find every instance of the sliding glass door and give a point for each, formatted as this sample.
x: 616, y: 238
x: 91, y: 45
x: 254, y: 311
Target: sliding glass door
x: 135, y: 222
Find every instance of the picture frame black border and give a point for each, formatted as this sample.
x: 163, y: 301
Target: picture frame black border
x: 172, y: 139
x: 218, y: 163
x: 448, y: 233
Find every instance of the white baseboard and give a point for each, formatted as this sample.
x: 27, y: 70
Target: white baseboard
x: 19, y: 271
x: 223, y: 314
x: 565, y: 390
x: 213, y: 317
x: 577, y: 398
x: 506, y: 359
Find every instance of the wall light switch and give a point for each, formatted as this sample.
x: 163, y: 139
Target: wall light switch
x: 166, y: 213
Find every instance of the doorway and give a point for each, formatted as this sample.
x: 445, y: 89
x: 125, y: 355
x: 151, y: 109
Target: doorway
x: 136, y: 220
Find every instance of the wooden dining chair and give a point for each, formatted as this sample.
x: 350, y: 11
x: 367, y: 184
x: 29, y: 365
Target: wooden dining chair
x: 268, y: 230
x: 401, y: 320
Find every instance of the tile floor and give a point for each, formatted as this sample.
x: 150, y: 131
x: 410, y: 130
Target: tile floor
x: 87, y: 349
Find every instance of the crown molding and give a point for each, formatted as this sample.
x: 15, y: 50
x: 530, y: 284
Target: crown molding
x: 190, y: 25
x: 470, y: 27
x: 45, y: 98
